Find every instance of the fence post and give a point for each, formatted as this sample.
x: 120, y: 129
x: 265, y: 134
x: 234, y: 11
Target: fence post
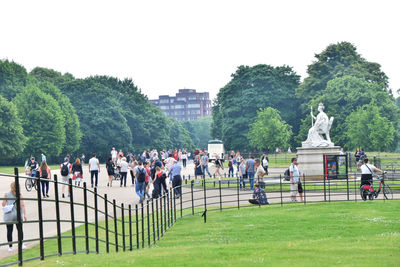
x: 220, y: 195
x: 347, y: 185
x: 19, y: 219
x: 115, y: 225
x: 238, y: 189
x: 205, y: 200
x: 355, y: 188
x: 123, y: 227
x: 158, y: 225
x: 168, y: 193
x: 71, y: 201
x: 174, y: 216
x: 96, y: 220
x: 130, y: 226
x: 85, y: 208
x: 40, y: 215
x: 56, y: 197
x: 329, y: 189
x: 148, y: 222
x: 324, y: 189
x: 137, y: 226
x: 304, y: 189
x: 171, y: 208
x: 191, y: 192
x: 161, y: 215
x: 106, y: 222
x: 142, y: 210
x: 181, y: 201
x: 280, y: 184
x: 154, y: 224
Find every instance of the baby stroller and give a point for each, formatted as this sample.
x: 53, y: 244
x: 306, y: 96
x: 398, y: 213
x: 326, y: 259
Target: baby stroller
x: 117, y: 175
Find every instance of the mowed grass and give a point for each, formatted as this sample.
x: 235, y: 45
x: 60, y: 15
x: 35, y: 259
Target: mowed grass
x: 319, y: 234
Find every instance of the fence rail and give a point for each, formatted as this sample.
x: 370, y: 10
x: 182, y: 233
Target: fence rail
x: 124, y: 227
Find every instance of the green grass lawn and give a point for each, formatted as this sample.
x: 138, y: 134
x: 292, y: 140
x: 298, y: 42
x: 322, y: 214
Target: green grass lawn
x: 319, y: 234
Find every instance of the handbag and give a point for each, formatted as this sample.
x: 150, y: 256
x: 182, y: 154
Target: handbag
x: 8, y: 208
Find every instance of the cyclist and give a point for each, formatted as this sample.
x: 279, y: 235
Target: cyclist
x: 366, y: 172
x: 34, y: 166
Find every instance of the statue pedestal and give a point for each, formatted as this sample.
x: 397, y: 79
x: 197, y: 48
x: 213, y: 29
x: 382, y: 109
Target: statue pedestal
x: 311, y: 162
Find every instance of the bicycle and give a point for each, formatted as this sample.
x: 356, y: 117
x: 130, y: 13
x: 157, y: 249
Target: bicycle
x: 368, y: 191
x: 30, y: 182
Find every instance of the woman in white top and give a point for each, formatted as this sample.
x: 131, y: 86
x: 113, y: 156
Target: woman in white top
x: 366, y: 172
x: 124, y: 171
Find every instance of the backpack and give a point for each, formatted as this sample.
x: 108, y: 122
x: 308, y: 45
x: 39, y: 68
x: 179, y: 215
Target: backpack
x: 44, y: 174
x: 141, y: 175
x: 286, y: 175
x: 64, y: 170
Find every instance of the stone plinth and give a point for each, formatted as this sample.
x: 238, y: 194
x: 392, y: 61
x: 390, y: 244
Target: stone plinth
x: 311, y: 162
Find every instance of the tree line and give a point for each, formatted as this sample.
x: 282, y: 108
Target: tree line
x: 264, y: 107
x: 47, y: 112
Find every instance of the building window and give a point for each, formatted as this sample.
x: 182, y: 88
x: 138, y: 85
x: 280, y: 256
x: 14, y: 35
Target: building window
x: 193, y: 105
x: 194, y: 111
x: 164, y: 107
x: 181, y: 99
x: 192, y: 98
x: 179, y: 106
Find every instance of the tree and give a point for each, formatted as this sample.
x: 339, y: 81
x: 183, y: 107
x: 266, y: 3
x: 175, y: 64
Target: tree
x: 12, y: 139
x: 180, y: 137
x: 72, y: 125
x: 250, y: 89
x: 367, y: 128
x: 269, y: 131
x: 13, y: 77
x: 336, y: 61
x: 199, y: 131
x: 42, y: 121
x: 344, y: 95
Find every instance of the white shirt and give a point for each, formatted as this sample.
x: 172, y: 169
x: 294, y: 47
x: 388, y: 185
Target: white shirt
x: 295, y: 172
x: 93, y: 164
x: 114, y: 153
x: 365, y: 170
x: 124, y: 166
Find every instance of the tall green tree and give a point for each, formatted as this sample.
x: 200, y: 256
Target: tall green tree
x: 72, y: 125
x: 12, y: 139
x: 269, y: 131
x: 250, y: 89
x: 42, y: 121
x: 13, y: 77
x: 336, y: 61
x: 199, y: 131
x: 101, y: 116
x: 367, y: 128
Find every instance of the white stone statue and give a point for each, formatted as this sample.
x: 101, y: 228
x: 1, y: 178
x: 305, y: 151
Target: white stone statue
x: 321, y: 127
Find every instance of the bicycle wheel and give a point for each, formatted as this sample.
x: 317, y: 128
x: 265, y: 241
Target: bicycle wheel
x: 28, y: 184
x: 363, y: 193
x: 387, y: 192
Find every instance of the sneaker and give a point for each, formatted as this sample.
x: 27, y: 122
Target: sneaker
x: 63, y: 196
x: 47, y: 196
x: 23, y: 247
x: 10, y: 249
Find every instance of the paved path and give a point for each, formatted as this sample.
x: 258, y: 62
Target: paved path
x: 128, y: 196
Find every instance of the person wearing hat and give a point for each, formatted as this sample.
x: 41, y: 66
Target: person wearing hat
x: 65, y: 169
x: 259, y: 196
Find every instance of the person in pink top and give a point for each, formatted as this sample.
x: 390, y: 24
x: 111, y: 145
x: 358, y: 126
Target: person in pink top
x: 147, y: 179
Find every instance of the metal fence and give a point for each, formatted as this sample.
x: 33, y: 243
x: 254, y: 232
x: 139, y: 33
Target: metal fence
x: 106, y: 225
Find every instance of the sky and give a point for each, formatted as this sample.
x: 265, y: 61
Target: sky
x: 169, y: 45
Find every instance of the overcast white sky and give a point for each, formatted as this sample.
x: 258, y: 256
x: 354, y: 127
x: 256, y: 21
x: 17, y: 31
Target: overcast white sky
x: 167, y: 45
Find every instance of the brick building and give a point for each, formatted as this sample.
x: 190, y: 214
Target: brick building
x: 187, y: 104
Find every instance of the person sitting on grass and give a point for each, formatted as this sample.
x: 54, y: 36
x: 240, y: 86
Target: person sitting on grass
x: 259, y: 196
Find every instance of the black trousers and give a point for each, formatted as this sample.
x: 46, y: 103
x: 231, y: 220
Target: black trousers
x: 132, y: 176
x: 94, y: 174
x: 164, y: 185
x: 10, y: 228
x: 176, y: 184
x: 123, y: 178
x: 184, y: 162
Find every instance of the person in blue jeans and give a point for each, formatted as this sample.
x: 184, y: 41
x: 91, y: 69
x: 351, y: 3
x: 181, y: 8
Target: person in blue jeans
x: 250, y: 163
x: 140, y: 174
